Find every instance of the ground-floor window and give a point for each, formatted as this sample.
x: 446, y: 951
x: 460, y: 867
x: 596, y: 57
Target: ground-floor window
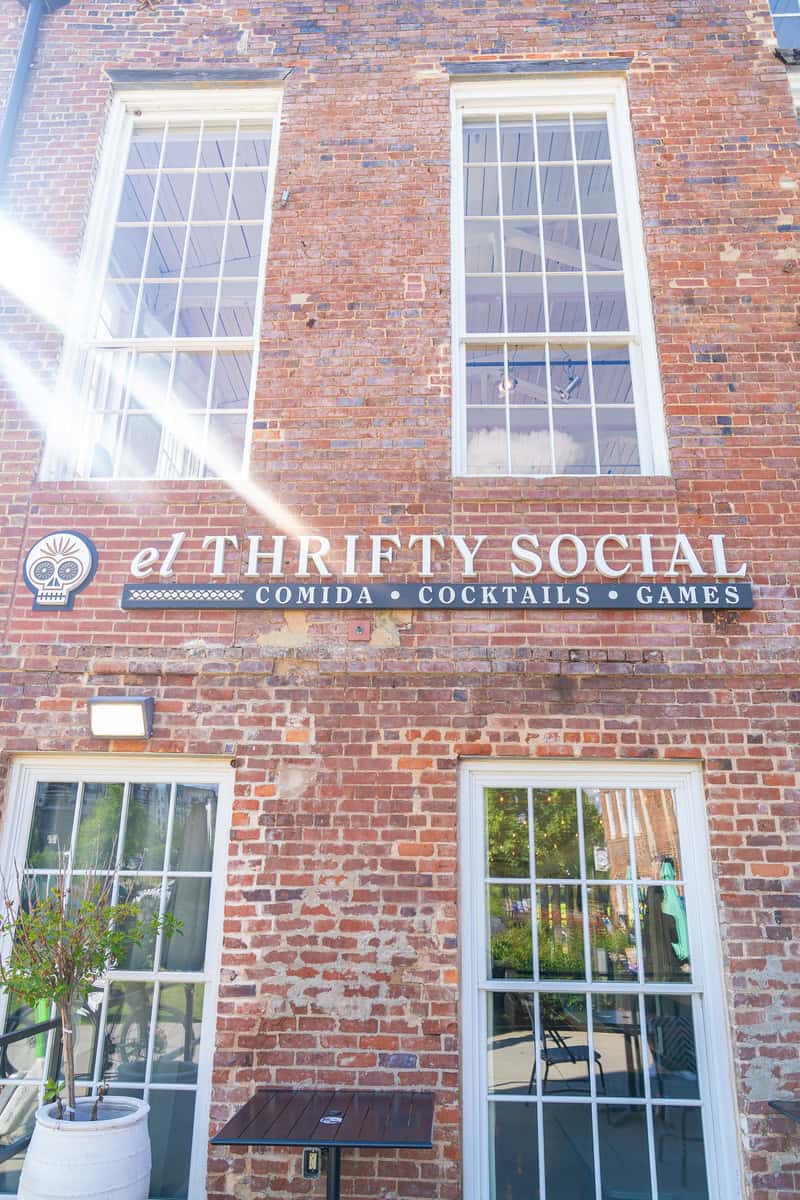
x: 160, y: 829
x: 597, y: 1065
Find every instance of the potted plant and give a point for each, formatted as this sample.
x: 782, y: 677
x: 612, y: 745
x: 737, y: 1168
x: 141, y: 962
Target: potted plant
x: 59, y: 939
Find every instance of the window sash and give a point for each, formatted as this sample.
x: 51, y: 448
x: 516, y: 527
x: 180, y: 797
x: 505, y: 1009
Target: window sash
x: 585, y: 97
x: 172, y: 771
x: 244, y: 107
x: 705, y: 988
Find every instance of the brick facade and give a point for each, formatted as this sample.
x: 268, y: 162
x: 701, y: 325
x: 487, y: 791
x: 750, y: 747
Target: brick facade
x: 341, y: 957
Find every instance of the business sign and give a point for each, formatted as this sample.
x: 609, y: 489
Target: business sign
x: 661, y: 595
x: 438, y: 571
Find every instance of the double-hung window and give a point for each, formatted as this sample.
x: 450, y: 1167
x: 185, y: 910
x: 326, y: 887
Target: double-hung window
x: 596, y: 1063
x: 159, y: 377
x: 160, y: 830
x: 555, y: 362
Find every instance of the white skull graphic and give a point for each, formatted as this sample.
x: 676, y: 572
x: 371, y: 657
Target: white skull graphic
x: 57, y: 566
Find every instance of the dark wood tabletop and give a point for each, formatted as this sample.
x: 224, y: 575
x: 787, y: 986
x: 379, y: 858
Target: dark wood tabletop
x: 328, y: 1117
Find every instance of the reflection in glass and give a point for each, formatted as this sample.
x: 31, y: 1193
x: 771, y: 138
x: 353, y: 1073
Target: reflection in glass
x: 522, y: 245
x: 507, y: 843
x: 554, y: 139
x: 177, y: 1040
x: 656, y: 832
x: 98, y: 831
x: 608, y: 310
x: 562, y: 244
x: 530, y: 441
x: 512, y: 1063
x: 591, y: 138
x: 53, y: 814
x: 565, y: 1044
x: 482, y: 247
x: 527, y: 374
x: 680, y: 1153
x: 567, y: 304
x: 481, y: 197
x: 560, y: 931
x: 612, y: 932
x: 193, y: 828
x: 670, y: 1041
x: 519, y: 191
x: 574, y: 441
x: 568, y: 1151
x: 480, y: 142
x: 525, y: 295
x: 618, y: 1041
x: 145, y: 893
x: 510, y: 931
x: 516, y: 140
x: 612, y: 375
x: 596, y: 185
x: 487, y: 445
x: 618, y: 444
x: 665, y: 932
x: 484, y: 299
x: 171, y: 1122
x: 18, y: 1107
x: 555, y: 833
x: 624, y: 1154
x: 146, y: 827
x: 128, y: 1030
x: 605, y: 831
x: 513, y: 1152
x: 187, y: 901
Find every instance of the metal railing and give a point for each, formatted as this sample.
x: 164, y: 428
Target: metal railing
x: 41, y: 1028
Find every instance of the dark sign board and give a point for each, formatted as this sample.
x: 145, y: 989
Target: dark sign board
x: 654, y: 595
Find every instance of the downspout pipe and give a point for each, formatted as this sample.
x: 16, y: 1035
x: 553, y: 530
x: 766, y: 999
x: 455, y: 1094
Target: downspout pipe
x: 19, y: 81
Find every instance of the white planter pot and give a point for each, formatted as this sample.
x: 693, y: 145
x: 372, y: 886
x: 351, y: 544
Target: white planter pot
x: 107, y: 1159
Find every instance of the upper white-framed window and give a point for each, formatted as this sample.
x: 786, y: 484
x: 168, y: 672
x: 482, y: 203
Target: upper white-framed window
x: 596, y: 1060
x: 149, y: 1028
x: 160, y: 364
x: 555, y: 364
x: 786, y: 19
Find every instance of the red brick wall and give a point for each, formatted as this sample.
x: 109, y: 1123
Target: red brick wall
x: 341, y: 944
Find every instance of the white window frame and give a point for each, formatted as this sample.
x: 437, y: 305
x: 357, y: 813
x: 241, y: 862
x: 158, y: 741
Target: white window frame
x: 713, y: 1046
x: 71, y: 410
x: 794, y: 87
x: 592, y: 94
x: 28, y: 771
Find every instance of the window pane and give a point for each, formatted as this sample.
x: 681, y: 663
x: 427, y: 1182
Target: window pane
x: 146, y: 827
x: 612, y: 933
x: 507, y: 832
x: 480, y: 192
x: 787, y: 32
x: 190, y: 380
x: 527, y: 375
x: 624, y: 1154
x: 480, y: 142
x: 680, y: 1153
x: 53, y: 815
x: 658, y: 853
x: 181, y: 147
x: 487, y: 441
x: 177, y: 1042
x: 196, y: 315
x: 98, y: 830
x: 512, y: 1063
x: 482, y: 246
x: 554, y: 139
x: 523, y: 248
x: 141, y: 442
x: 530, y: 441
x: 217, y: 147
x: 611, y: 369
x: 670, y: 1042
x: 136, y: 202
x: 18, y: 1107
x: 519, y: 191
x: 211, y: 196
x: 567, y: 303
x: 510, y: 931
x: 128, y: 1030
x: 605, y: 831
x: 562, y: 244
x: 242, y: 250
x: 574, y: 443
x: 157, y: 310
x: 484, y: 304
x: 226, y: 441
x: 166, y: 252
x: 618, y: 1041
x: 568, y: 1153
x: 555, y: 833
x: 231, y: 386
x: 193, y: 828
x: 566, y: 1057
x: 144, y: 892
x: 204, y: 255
x: 171, y: 1122
x: 513, y: 1152
x: 591, y: 138
x: 560, y: 931
x: 601, y: 244
x: 619, y: 448
x: 516, y: 140
x: 253, y: 147
x: 596, y: 184
x: 525, y: 303
x: 665, y: 934
x: 237, y: 309
x: 145, y: 148
x: 607, y: 305
x: 173, y: 202
x: 127, y: 251
x: 117, y: 309
x: 558, y: 190
x: 249, y: 195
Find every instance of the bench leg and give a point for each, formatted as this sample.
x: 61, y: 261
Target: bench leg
x: 333, y: 1172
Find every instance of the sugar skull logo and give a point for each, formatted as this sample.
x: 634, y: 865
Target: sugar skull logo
x: 58, y: 567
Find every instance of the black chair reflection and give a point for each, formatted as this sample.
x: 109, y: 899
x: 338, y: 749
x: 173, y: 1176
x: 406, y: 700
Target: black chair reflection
x: 671, y: 1041
x: 555, y: 1050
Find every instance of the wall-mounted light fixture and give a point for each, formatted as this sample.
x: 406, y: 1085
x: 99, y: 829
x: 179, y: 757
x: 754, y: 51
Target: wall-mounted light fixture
x: 121, y: 716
